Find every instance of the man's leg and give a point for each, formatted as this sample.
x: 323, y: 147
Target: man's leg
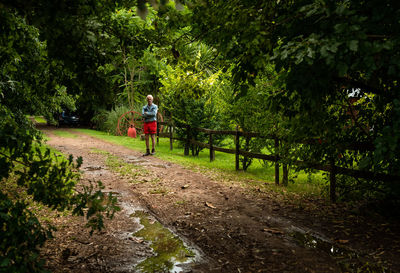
x: 146, y: 136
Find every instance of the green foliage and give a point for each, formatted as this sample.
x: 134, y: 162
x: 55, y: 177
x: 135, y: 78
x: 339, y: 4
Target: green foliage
x: 77, y: 42
x: 98, y: 204
x: 188, y: 97
x: 349, y: 49
x: 48, y: 180
x: 127, y: 37
x: 240, y: 31
x: 107, y: 121
x: 26, y: 73
x: 252, y: 113
x: 323, y: 51
x: 21, y: 234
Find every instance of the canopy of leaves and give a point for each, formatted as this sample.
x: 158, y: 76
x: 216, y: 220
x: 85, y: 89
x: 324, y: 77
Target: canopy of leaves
x: 332, y: 48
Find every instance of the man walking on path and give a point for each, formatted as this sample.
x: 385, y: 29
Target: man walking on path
x: 149, y: 113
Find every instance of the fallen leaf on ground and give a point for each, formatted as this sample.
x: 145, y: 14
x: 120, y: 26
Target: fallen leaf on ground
x: 273, y: 231
x: 210, y: 205
x: 136, y: 240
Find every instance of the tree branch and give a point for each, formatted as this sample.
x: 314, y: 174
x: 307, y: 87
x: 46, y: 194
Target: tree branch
x: 17, y: 161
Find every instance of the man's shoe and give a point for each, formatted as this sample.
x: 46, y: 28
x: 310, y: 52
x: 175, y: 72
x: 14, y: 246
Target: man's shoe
x: 153, y: 152
x: 147, y: 153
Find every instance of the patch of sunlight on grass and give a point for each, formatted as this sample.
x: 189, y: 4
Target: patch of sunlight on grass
x: 40, y: 120
x: 37, y: 119
x: 63, y: 133
x: 98, y: 151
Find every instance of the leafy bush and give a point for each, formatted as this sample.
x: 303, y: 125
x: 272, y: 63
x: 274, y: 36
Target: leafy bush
x: 46, y: 179
x: 107, y: 121
x: 21, y: 235
x: 188, y: 97
x: 99, y: 119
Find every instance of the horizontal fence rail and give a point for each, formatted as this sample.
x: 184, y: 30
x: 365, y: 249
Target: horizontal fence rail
x: 331, y: 168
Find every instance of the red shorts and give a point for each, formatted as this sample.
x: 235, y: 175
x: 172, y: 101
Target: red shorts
x: 150, y: 127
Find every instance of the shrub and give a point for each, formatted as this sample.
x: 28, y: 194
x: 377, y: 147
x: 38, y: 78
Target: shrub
x: 45, y: 179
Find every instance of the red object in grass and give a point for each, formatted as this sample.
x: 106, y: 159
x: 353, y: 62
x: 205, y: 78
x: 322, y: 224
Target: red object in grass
x: 132, y: 132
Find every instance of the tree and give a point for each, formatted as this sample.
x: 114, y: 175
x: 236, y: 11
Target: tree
x: 29, y: 83
x: 351, y: 48
x: 240, y: 31
x: 127, y: 38
x: 188, y: 96
x: 28, y: 77
x: 324, y: 50
x: 42, y: 178
x: 74, y: 35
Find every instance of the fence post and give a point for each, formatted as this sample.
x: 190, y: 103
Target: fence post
x: 285, y: 170
x: 276, y: 162
x: 332, y: 182
x: 212, y: 152
x: 246, y: 147
x: 158, y: 133
x: 237, y: 148
x: 285, y: 178
x: 187, y: 144
x: 171, y: 141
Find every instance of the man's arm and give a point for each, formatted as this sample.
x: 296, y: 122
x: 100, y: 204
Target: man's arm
x: 143, y: 112
x: 153, y: 112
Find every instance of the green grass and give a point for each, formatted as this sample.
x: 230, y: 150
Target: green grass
x: 37, y: 119
x: 257, y: 175
x: 40, y: 120
x: 121, y: 167
x: 63, y: 133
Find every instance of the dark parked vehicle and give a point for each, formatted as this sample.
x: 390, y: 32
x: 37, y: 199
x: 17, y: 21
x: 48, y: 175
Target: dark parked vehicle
x: 68, y: 119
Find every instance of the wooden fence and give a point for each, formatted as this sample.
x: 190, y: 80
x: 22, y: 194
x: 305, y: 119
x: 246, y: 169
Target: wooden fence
x: 275, y: 157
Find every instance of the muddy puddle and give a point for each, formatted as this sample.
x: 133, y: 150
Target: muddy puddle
x: 348, y: 259
x: 169, y: 252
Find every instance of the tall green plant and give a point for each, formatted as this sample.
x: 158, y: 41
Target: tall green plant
x: 108, y: 120
x: 128, y: 36
x: 252, y: 113
x: 188, y: 97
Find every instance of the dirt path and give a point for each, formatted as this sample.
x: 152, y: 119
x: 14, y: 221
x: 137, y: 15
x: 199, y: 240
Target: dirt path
x: 231, y: 229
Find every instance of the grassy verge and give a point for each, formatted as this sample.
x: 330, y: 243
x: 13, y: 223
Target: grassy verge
x: 37, y: 119
x: 63, y: 133
x: 40, y: 120
x: 121, y: 167
x: 257, y: 174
